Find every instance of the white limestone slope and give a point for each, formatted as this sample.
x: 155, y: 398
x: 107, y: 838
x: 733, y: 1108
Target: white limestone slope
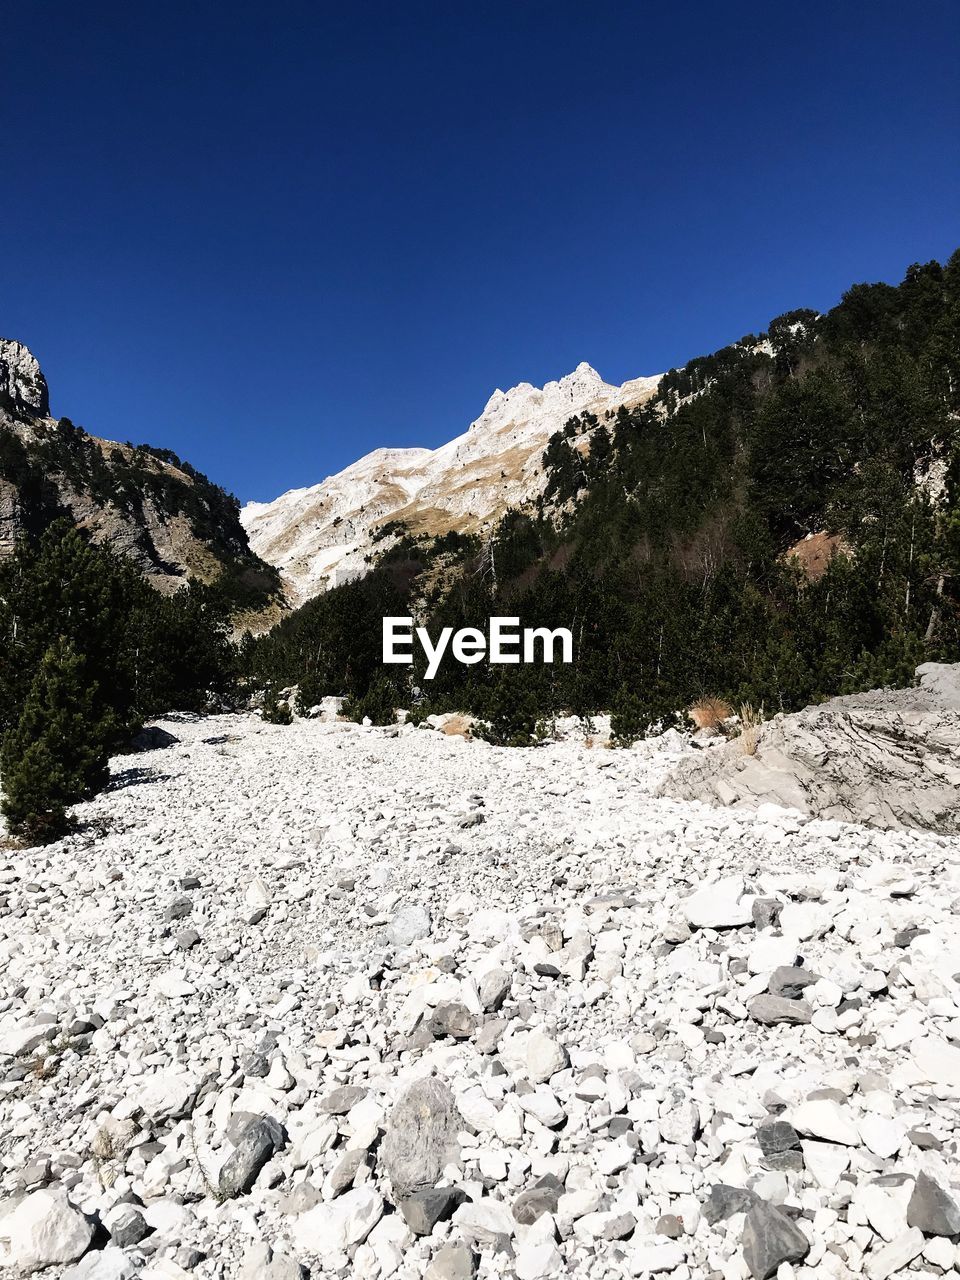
x: 319, y: 536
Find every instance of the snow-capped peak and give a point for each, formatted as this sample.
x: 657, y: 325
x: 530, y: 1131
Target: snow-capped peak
x: 319, y: 536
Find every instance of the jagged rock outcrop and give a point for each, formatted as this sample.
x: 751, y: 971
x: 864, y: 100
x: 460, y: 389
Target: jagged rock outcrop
x: 145, y: 504
x: 320, y: 537
x: 23, y: 388
x: 888, y: 758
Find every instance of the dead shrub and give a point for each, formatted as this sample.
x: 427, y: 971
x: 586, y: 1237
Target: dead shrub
x: 710, y: 713
x: 458, y: 727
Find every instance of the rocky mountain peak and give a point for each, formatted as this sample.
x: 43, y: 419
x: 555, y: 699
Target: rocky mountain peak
x: 23, y: 388
x: 323, y: 535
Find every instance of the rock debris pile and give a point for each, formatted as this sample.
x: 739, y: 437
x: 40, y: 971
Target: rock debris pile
x: 334, y: 1001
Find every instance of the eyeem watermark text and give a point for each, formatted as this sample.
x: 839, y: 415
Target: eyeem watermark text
x: 505, y: 643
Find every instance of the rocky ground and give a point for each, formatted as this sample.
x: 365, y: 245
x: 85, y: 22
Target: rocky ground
x: 359, y: 1002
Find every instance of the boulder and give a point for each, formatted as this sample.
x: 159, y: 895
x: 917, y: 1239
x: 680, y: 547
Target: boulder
x: 420, y: 1137
x: 44, y: 1230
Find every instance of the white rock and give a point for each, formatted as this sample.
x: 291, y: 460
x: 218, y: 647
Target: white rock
x: 331, y: 1228
x: 823, y: 1118
x: 680, y: 1122
x: 654, y: 1255
x: 804, y: 919
x: 544, y: 1057
x: 535, y: 1261
x: 18, y: 1038
x: 485, y: 1220
x: 172, y: 985
x: 896, y: 1255
x: 103, y: 1264
x: 44, y: 1229
x: 544, y: 1104
x: 825, y: 1162
x: 409, y: 924
x: 769, y: 951
x: 167, y: 1095
x: 882, y: 1136
x: 938, y: 1061
x: 721, y: 904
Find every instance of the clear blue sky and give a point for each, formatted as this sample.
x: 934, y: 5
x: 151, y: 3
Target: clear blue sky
x: 275, y: 236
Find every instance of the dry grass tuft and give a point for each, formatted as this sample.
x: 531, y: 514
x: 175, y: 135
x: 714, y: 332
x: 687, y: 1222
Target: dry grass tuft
x: 710, y: 713
x: 751, y: 718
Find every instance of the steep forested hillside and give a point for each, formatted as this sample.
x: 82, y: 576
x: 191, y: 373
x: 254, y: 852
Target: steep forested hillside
x: 146, y: 504
x: 677, y: 544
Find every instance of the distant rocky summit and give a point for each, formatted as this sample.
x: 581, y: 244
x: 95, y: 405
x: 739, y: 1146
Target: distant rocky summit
x: 320, y: 537
x: 889, y: 758
x: 146, y: 504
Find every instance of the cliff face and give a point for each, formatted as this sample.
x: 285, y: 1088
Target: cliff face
x: 319, y: 537
x: 23, y: 388
x: 144, y: 504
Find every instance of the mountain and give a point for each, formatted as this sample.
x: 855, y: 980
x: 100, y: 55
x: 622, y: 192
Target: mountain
x: 773, y: 524
x: 322, y: 536
x: 146, y: 504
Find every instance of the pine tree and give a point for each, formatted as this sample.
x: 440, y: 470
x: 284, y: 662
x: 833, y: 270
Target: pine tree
x: 56, y: 754
x: 378, y: 704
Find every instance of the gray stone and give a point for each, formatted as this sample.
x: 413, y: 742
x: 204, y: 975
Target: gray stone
x: 766, y: 912
x: 784, y: 1161
x: 341, y: 1100
x: 924, y: 1140
x: 150, y: 738
x: 421, y: 1137
x: 424, y: 1209
x: 724, y: 1201
x: 303, y: 1197
x: 345, y: 1170
x: 886, y: 758
x: 619, y: 1228
x: 932, y: 1210
x: 261, y: 1263
x: 669, y: 1225
x: 769, y: 1239
x: 771, y: 1009
x: 777, y: 1136
x: 452, y: 1262
x: 493, y: 989
x: 127, y: 1225
x: 790, y: 980
x: 260, y: 1140
x: 488, y: 1037
x: 537, y: 1200
x: 453, y: 1019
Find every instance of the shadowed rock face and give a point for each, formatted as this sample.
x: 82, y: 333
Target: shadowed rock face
x: 889, y: 758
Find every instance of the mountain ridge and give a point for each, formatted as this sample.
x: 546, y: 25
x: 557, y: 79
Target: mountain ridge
x: 145, y: 504
x: 320, y: 535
